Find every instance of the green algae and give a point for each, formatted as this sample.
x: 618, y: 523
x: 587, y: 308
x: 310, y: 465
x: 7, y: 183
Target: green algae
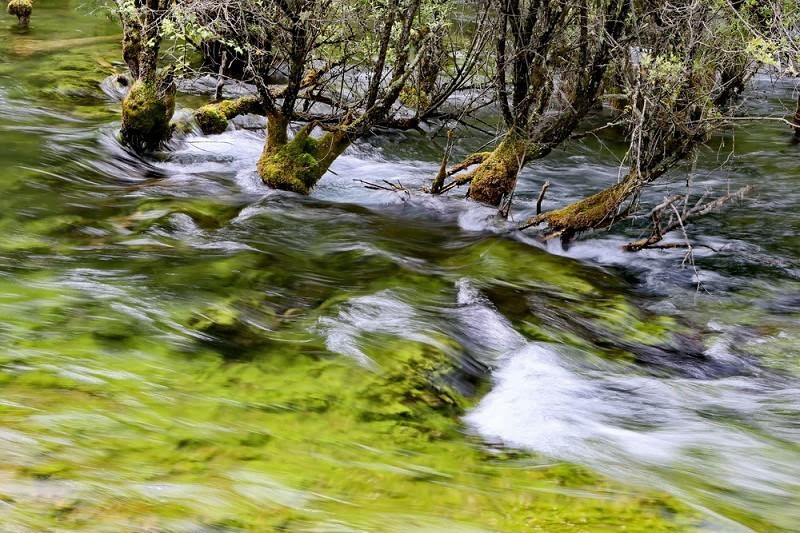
x: 62, y: 64
x: 168, y: 415
x: 295, y: 438
x: 220, y: 405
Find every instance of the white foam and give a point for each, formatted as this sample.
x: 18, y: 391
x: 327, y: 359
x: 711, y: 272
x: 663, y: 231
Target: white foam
x: 381, y: 312
x: 645, y: 429
x: 488, y: 332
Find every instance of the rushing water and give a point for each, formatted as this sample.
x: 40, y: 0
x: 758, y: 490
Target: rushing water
x: 187, y: 350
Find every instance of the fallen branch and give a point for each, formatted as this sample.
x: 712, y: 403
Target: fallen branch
x: 680, y: 220
x: 391, y: 187
x: 438, y: 181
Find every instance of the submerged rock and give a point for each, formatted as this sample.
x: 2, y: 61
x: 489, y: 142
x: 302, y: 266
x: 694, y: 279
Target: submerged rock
x: 230, y: 325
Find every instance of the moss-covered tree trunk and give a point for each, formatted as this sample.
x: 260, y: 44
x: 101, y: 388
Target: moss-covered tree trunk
x: 605, y: 208
x: 214, y: 118
x: 146, y: 113
x: 148, y: 108
x: 21, y: 9
x: 599, y: 210
x: 496, y: 176
x: 297, y: 165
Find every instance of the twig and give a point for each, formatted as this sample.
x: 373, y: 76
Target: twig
x: 505, y: 206
x: 697, y: 211
x: 690, y: 253
x: 541, y: 197
x: 221, y: 79
x: 595, y: 130
x: 391, y: 187
x: 438, y: 181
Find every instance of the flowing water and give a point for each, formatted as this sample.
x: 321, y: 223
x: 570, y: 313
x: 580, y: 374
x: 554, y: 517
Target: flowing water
x: 186, y: 350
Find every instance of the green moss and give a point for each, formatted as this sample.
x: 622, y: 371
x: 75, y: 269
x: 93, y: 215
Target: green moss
x: 131, y: 48
x: 298, y: 164
x: 213, y: 118
x: 414, y: 97
x: 496, y: 176
x: 292, y: 167
x: 146, y: 115
x: 592, y: 212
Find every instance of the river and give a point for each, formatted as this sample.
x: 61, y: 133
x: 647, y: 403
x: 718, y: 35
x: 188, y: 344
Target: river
x: 187, y: 350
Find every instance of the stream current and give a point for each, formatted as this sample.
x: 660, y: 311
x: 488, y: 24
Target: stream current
x: 185, y: 349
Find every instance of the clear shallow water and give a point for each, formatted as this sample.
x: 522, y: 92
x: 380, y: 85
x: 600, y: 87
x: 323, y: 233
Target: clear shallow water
x: 187, y: 350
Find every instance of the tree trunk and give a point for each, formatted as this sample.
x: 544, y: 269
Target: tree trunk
x: 146, y: 114
x: 148, y: 108
x: 596, y: 211
x: 131, y: 47
x: 604, y: 208
x: 496, y: 176
x: 298, y: 165
x: 797, y: 120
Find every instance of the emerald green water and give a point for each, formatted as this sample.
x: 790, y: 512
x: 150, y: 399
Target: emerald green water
x: 185, y: 350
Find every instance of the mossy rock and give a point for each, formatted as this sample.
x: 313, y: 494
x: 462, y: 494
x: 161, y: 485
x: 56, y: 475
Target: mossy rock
x: 231, y: 325
x: 146, y: 115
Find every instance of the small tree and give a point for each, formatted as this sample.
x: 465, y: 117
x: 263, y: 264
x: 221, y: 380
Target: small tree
x: 21, y: 9
x: 550, y: 58
x: 691, y: 62
x: 773, y: 28
x: 350, y: 66
x: 149, y: 105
